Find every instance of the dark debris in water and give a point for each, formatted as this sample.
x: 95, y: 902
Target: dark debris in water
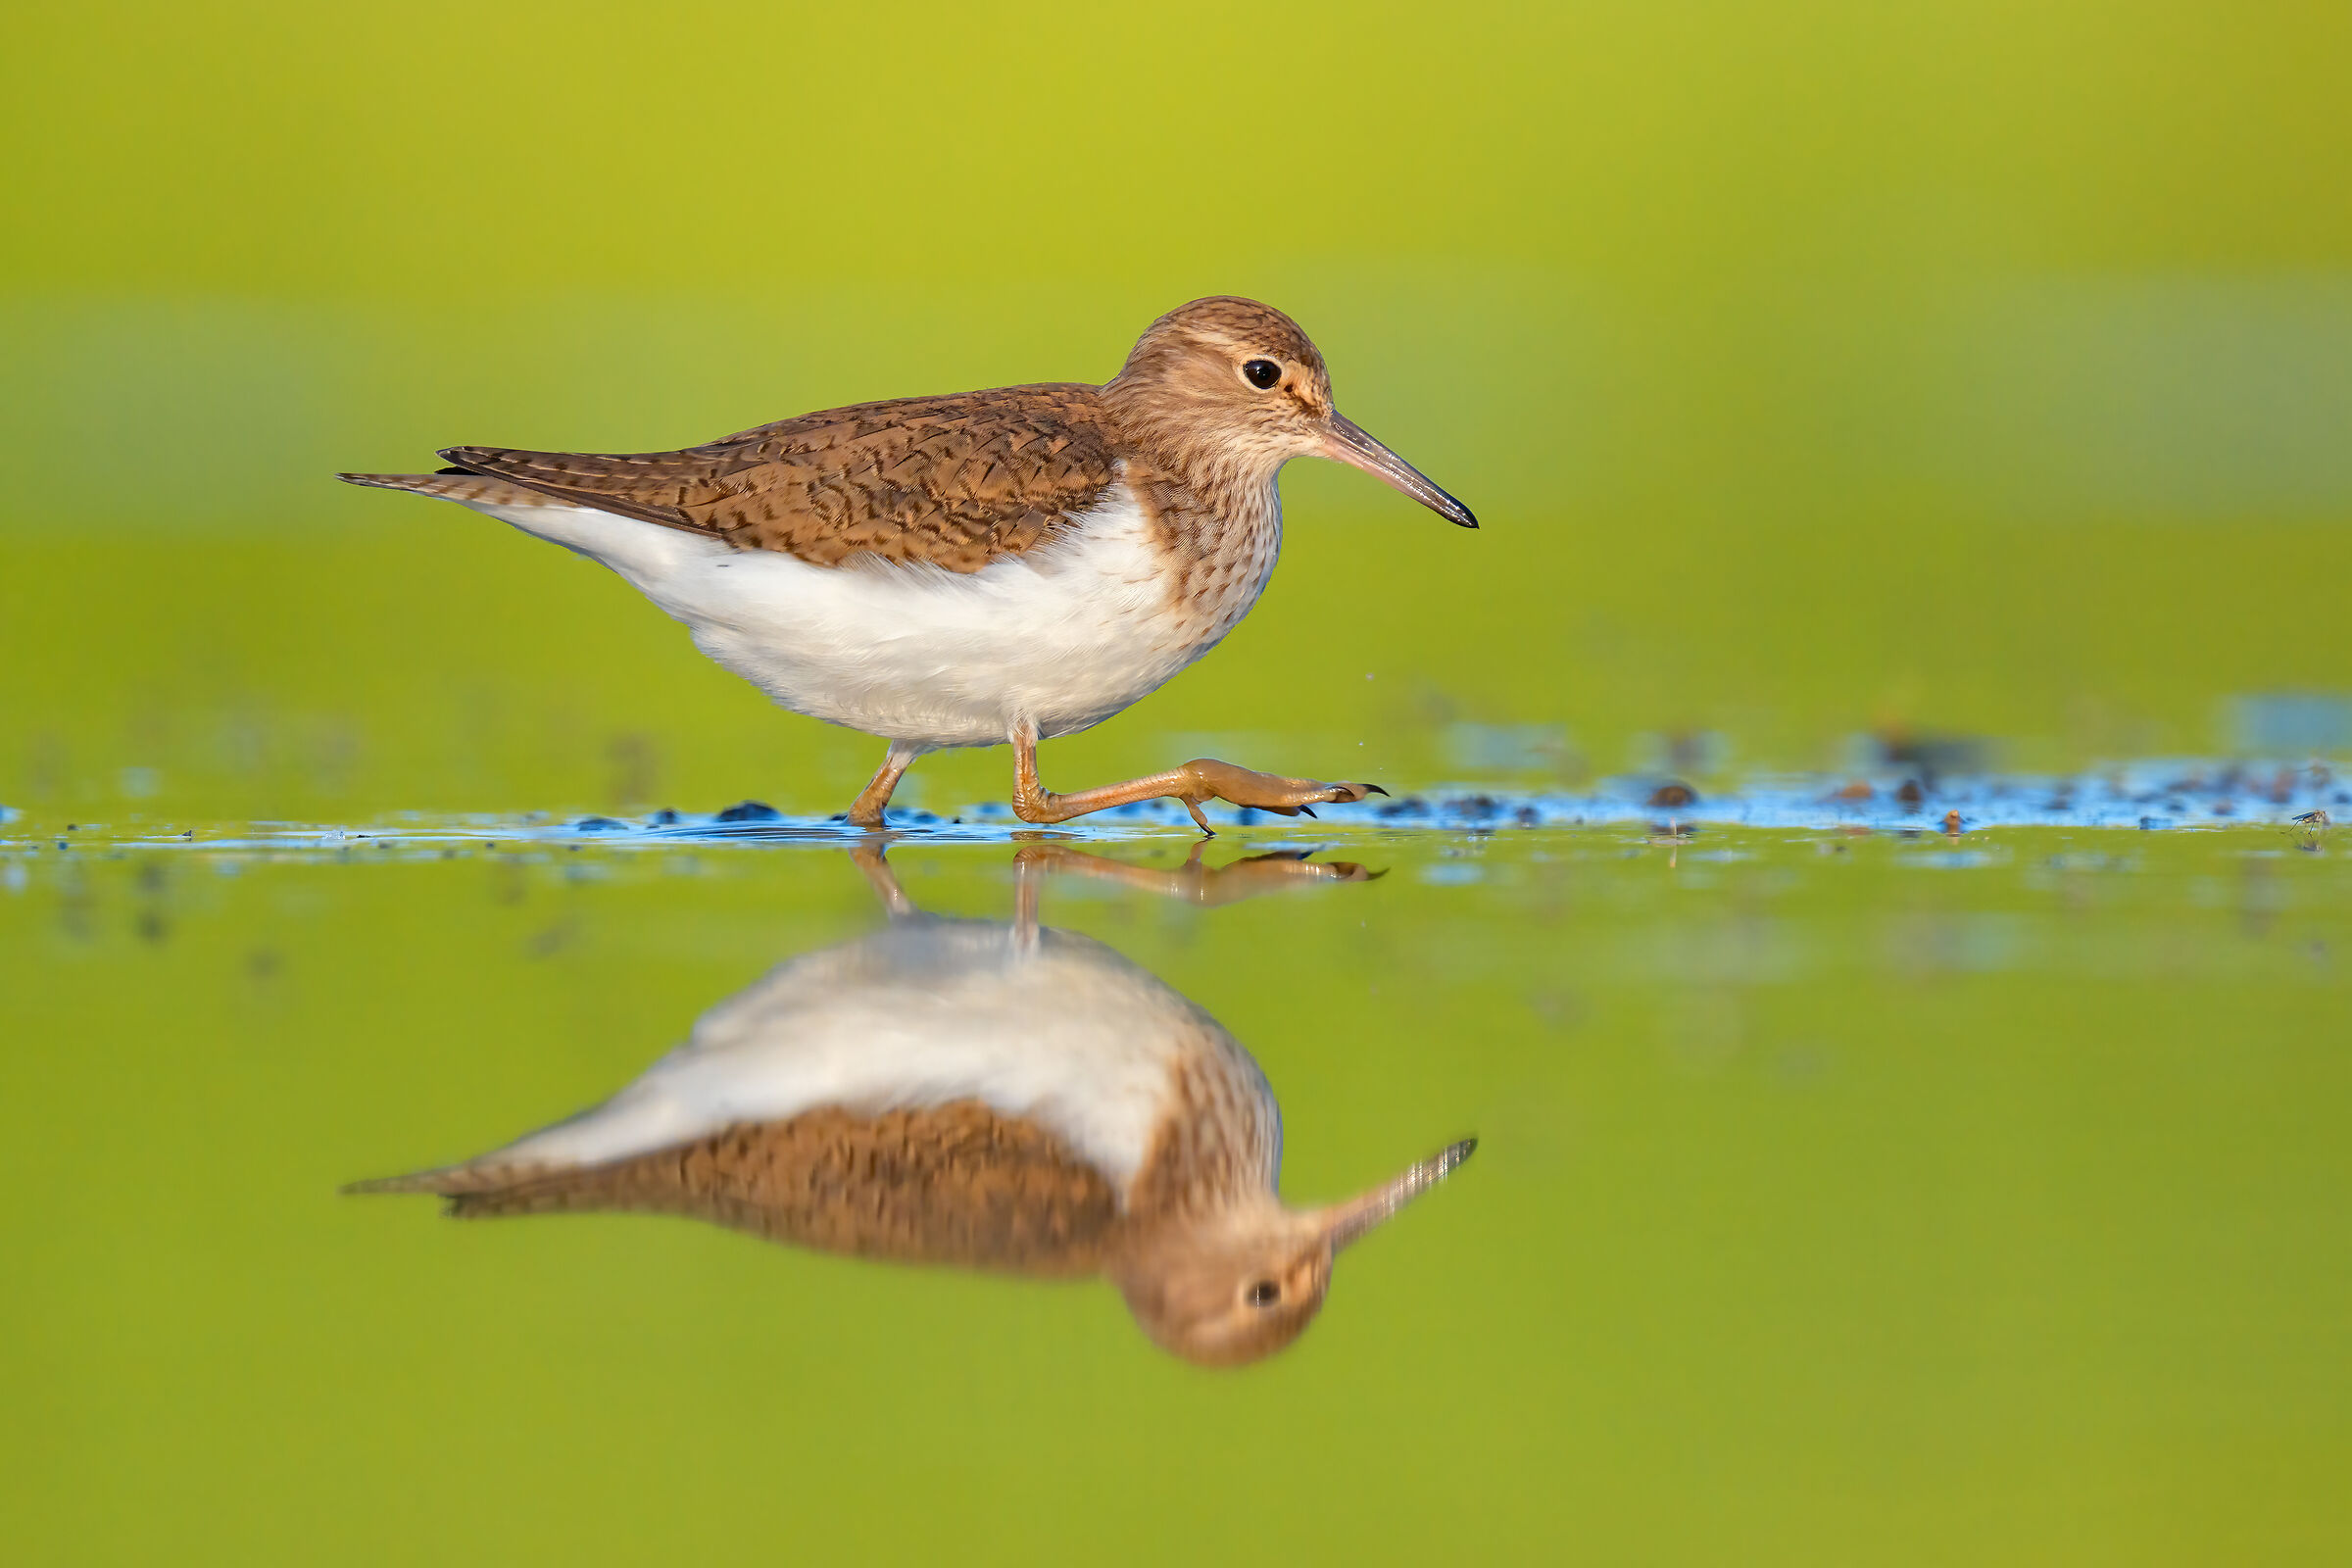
x: 2148, y: 795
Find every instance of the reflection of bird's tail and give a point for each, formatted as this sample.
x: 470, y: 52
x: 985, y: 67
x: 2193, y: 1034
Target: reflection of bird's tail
x: 449, y: 1181
x: 423, y: 1181
x: 477, y: 1192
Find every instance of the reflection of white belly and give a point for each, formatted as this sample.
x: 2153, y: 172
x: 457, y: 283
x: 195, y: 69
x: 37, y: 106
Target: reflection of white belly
x: 1061, y: 637
x: 1067, y: 1036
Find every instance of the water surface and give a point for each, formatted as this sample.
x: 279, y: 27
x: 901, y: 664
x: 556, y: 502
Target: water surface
x: 1841, y: 1195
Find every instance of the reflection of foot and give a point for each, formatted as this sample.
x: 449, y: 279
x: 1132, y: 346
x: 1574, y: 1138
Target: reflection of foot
x: 1195, y: 883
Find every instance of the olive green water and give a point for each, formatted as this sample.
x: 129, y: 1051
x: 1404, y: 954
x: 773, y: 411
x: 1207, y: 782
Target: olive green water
x: 1839, y: 1200
x: 1819, y: 371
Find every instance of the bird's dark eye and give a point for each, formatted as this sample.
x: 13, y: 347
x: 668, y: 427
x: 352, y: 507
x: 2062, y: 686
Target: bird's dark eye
x: 1262, y: 374
x: 1265, y: 1293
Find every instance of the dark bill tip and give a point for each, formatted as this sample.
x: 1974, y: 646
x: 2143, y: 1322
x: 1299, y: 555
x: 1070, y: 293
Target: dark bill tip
x: 1350, y: 444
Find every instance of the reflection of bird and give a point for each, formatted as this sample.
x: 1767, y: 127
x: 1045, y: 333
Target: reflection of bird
x: 974, y: 1093
x: 991, y: 567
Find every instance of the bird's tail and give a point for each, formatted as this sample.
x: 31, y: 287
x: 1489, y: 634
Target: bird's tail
x: 454, y: 484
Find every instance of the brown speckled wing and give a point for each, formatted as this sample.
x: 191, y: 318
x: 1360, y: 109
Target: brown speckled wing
x: 954, y: 481
x: 953, y: 1184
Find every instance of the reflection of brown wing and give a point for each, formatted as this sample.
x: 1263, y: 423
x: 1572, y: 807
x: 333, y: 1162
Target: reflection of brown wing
x: 955, y: 1184
x: 954, y: 481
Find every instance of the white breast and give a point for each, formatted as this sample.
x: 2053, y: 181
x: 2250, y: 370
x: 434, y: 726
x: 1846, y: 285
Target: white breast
x: 1065, y: 1034
x: 1061, y: 638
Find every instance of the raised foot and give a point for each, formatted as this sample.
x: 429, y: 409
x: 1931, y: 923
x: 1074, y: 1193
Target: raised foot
x: 1208, y: 779
x: 1199, y: 780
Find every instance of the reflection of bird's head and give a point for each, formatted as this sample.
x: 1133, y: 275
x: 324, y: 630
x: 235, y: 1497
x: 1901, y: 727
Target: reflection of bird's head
x: 1227, y: 1288
x: 1222, y: 1294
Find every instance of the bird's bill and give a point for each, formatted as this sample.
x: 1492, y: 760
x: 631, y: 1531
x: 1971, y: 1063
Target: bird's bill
x: 1346, y: 1222
x: 1347, y: 443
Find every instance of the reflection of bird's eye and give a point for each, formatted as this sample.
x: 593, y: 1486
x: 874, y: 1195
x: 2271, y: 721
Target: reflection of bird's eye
x: 1265, y: 1293
x: 1262, y: 374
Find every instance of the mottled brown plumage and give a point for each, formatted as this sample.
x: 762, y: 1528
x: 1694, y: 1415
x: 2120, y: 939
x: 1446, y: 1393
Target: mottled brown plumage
x: 953, y: 481
x: 954, y: 1184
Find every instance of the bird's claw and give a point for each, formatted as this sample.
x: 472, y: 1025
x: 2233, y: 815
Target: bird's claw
x: 1271, y: 792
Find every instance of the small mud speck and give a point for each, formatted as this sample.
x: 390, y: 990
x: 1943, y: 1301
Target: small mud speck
x: 547, y: 943
x: 750, y: 812
x: 1558, y: 1010
x: 1910, y: 794
x: 1671, y: 793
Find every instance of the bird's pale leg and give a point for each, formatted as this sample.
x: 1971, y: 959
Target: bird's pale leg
x: 1199, y: 780
x: 867, y: 809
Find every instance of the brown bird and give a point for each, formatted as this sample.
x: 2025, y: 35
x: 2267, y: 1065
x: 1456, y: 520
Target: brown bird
x: 978, y: 569
x: 992, y: 1095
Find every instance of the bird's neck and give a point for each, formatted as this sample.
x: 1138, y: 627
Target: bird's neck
x: 1210, y: 500
x: 1218, y: 471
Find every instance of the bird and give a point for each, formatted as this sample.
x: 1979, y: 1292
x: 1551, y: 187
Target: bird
x: 994, y: 567
x: 984, y: 1093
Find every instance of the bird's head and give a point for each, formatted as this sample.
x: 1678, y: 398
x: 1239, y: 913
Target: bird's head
x: 1229, y: 390
x: 1229, y: 1289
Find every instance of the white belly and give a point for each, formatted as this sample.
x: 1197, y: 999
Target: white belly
x: 1060, y: 638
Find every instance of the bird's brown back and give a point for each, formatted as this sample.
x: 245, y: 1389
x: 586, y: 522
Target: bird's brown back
x: 954, y: 481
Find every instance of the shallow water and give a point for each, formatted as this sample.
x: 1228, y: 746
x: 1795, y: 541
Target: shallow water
x: 1873, y: 413
x: 1836, y: 1188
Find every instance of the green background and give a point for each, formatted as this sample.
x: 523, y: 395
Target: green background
x: 1815, y: 369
